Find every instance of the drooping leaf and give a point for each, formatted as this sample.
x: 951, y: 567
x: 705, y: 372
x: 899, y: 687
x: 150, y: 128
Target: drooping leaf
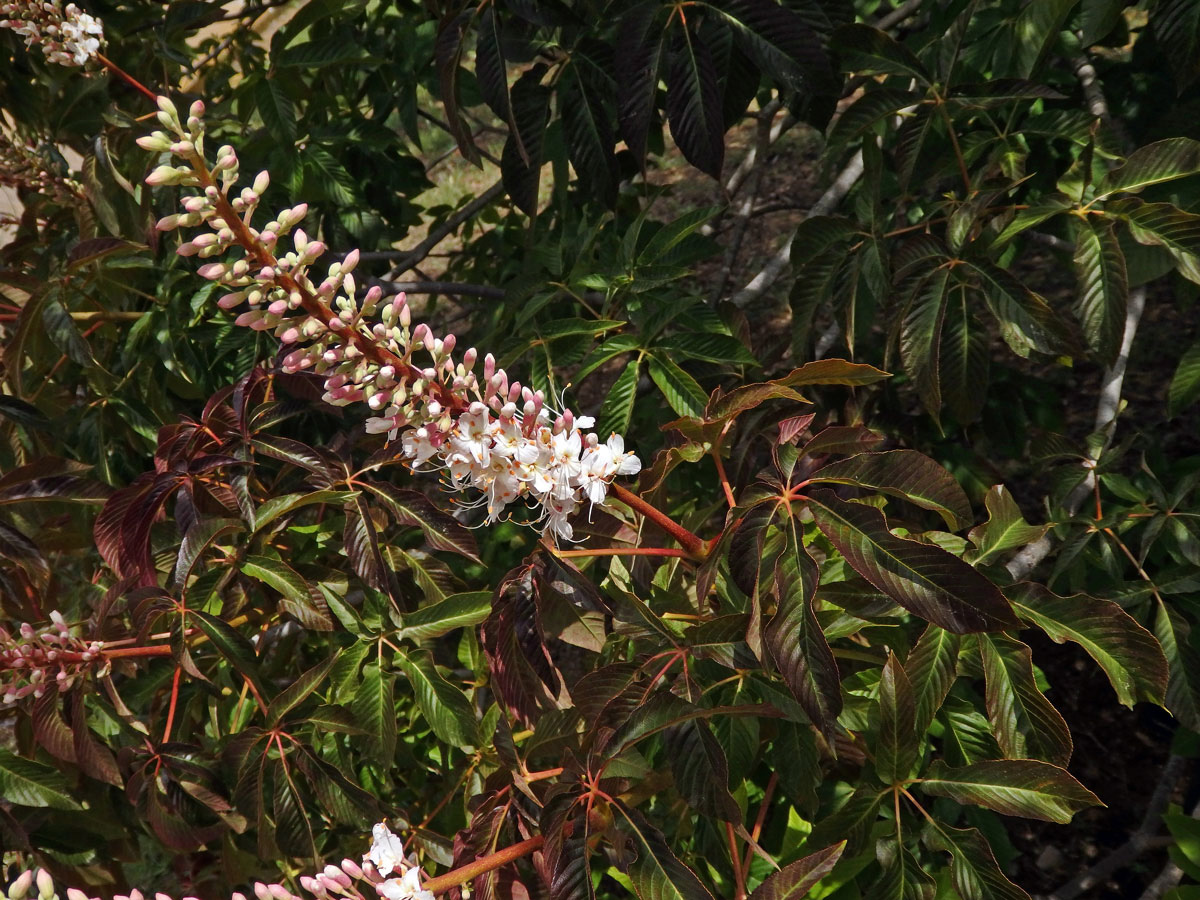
x: 231, y: 644
x: 922, y: 578
x: 679, y: 388
x: 1103, y: 285
x: 1185, y: 383
x: 701, y: 770
x: 1128, y: 653
x: 1036, y: 31
x: 907, y: 474
x: 902, y: 876
x: 896, y: 743
x: 1183, y: 688
x: 1015, y: 787
x: 521, y: 172
x: 300, y: 689
x: 276, y: 109
x: 374, y: 708
x: 1176, y: 26
x: 299, y: 597
x: 973, y: 867
x: 796, y: 641
x: 868, y: 49
x: 456, y: 611
x: 795, y: 880
x: 445, y: 707
x: 638, y: 58
x: 441, y: 530
x: 656, y: 873
x: 1025, y: 723
x: 781, y: 43
x: 694, y: 109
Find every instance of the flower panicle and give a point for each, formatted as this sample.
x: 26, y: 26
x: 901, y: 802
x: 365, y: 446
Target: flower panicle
x: 463, y: 415
x: 67, y: 35
x: 34, y: 662
x: 347, y: 879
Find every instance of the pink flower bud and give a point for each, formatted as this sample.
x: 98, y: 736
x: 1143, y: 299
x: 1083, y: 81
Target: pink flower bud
x: 336, y: 875
x: 196, y: 109
x: 351, y: 868
x: 19, y: 888
x: 45, y: 884
x: 76, y: 894
x: 261, y: 891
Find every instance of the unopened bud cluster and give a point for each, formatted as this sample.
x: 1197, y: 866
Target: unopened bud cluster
x: 368, y: 881
x: 487, y: 432
x: 23, y: 168
x: 33, y: 662
x: 68, y: 37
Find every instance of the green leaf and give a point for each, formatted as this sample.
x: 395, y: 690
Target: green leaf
x: 521, y: 158
x: 231, y: 644
x: 1128, y: 653
x: 1037, y: 213
x: 456, y: 611
x: 931, y: 667
x: 1176, y: 26
x: 973, y: 868
x: 902, y: 877
x: 922, y: 578
x: 921, y: 337
x: 832, y: 371
x: 866, y: 112
x: 1103, y: 285
x: 869, y: 50
x: 907, y: 474
x: 1152, y: 164
x: 300, y: 598
x: 896, y: 743
x: 795, y: 880
x: 1015, y: 787
x: 656, y: 873
x: 852, y: 821
x: 694, y: 109
x: 24, y: 782
x: 1097, y: 18
x: 587, y: 125
x: 1162, y: 225
x: 445, y: 707
x: 374, y: 708
x: 300, y: 689
x: 1185, y: 383
x: 62, y: 331
x: 1005, y: 529
x: 795, y: 639
x: 1183, y: 687
x: 701, y: 770
x: 964, y: 359
x: 441, y: 530
x: 1037, y: 30
x: 277, y: 507
x: 1026, y: 321
x: 1023, y: 720
x: 679, y: 388
x: 275, y: 107
x: 321, y: 52
x: 710, y: 347
x: 617, y: 410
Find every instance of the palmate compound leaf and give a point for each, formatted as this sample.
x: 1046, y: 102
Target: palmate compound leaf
x: 1025, y: 723
x: 924, y: 579
x: 657, y: 873
x: 907, y: 474
x: 1129, y: 654
x: 1015, y: 787
x: 795, y: 880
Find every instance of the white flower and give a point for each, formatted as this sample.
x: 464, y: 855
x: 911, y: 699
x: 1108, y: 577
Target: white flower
x: 405, y: 888
x: 387, y: 850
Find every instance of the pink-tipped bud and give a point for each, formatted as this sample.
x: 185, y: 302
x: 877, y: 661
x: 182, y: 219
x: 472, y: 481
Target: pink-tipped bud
x: 196, y: 109
x: 19, y: 888
x: 337, y: 876
x: 76, y: 894
x: 514, y: 392
x: 212, y: 271
x: 489, y: 367
x: 45, y: 884
x: 279, y: 892
x: 261, y: 891
x: 351, y: 868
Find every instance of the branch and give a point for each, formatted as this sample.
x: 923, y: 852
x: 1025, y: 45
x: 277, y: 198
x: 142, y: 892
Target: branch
x: 414, y: 256
x: 898, y: 15
x: 758, y: 157
x: 1141, y: 840
x: 776, y: 265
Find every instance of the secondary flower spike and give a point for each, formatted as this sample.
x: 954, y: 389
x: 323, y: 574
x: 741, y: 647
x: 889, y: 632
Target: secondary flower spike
x: 461, y: 415
x: 68, y: 37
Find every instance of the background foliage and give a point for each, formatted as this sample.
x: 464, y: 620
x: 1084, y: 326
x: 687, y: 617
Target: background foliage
x: 1009, y: 224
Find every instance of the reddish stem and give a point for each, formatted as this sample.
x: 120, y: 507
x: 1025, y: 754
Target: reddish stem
x: 623, y: 551
x: 156, y: 650
x: 473, y: 870
x: 121, y: 73
x: 735, y: 857
x: 696, y: 547
x: 725, y: 486
x: 174, y: 701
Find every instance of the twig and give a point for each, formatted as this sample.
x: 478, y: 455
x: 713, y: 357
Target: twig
x: 435, y: 237
x: 1141, y: 840
x: 776, y: 265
